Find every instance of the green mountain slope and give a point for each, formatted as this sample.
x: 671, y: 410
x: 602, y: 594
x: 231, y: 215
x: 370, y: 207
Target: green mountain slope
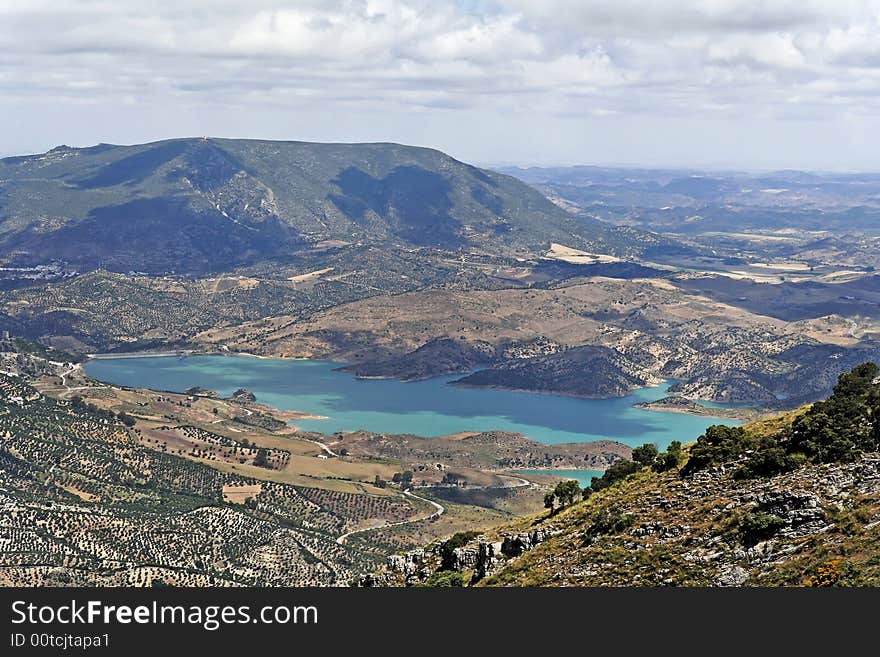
x: 792, y: 500
x: 191, y: 205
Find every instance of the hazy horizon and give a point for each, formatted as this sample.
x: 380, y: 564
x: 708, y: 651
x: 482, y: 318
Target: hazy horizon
x: 704, y: 168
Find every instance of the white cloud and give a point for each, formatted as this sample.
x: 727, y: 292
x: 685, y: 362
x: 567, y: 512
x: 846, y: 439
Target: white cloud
x: 763, y: 50
x: 602, y: 58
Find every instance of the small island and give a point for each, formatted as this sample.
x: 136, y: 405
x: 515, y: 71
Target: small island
x: 674, y: 404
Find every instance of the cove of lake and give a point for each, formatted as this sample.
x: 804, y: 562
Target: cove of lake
x: 424, y: 408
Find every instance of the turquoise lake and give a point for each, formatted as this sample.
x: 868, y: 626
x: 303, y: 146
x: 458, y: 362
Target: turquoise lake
x: 583, y: 477
x: 425, y: 408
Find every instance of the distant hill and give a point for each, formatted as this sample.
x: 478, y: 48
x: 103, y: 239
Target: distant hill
x: 195, y: 205
x: 688, y: 201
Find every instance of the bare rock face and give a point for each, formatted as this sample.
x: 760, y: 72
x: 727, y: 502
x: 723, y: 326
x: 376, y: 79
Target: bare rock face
x: 660, y: 530
x: 488, y: 557
x: 514, y: 545
x: 732, y: 576
x: 801, y: 512
x: 464, y: 558
x: 480, y: 557
x: 408, y: 568
x: 408, y: 563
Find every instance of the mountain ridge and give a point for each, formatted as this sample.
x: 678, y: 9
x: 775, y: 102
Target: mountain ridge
x: 210, y: 204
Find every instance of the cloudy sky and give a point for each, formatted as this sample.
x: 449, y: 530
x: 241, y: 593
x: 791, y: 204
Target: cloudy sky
x: 716, y: 83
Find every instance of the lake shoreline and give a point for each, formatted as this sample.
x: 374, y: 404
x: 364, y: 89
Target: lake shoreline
x: 748, y: 413
x: 654, y: 383
x: 645, y: 406
x: 428, y: 408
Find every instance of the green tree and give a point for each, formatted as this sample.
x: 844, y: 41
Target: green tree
x: 566, y: 491
x: 448, y: 547
x: 769, y: 459
x: 669, y: 459
x: 262, y: 458
x: 845, y: 424
x: 620, y: 469
x: 403, y: 478
x: 126, y: 419
x: 719, y: 444
x: 609, y: 520
x: 646, y: 454
x: 550, y: 501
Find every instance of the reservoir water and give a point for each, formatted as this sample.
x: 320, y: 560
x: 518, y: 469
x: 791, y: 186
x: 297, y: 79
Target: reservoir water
x: 425, y: 408
x: 583, y: 477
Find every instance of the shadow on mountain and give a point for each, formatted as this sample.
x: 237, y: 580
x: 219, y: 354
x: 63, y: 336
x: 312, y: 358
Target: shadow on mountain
x: 156, y: 236
x: 412, y: 199
x: 134, y: 168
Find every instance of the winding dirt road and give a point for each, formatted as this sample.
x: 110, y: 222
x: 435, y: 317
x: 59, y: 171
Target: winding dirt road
x: 439, y: 511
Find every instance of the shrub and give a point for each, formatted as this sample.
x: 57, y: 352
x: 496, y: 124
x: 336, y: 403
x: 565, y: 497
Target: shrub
x: 444, y: 578
x: 768, y: 461
x: 618, y: 470
x: 670, y: 459
x: 752, y: 527
x: 719, y: 444
x: 843, y: 425
x: 826, y: 575
x: 609, y: 520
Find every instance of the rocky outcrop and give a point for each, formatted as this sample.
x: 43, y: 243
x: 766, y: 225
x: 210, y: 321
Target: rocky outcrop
x: 660, y: 531
x: 481, y: 557
x: 489, y: 556
x: 514, y: 545
x: 714, y: 529
x: 464, y: 558
x: 407, y: 564
x: 709, y: 528
x: 801, y: 512
x: 404, y: 569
